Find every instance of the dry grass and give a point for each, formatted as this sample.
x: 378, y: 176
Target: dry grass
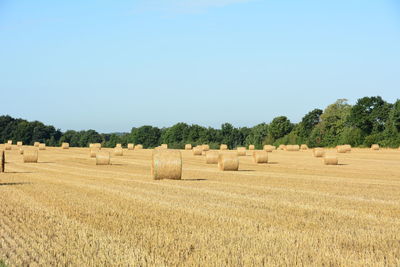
x: 294, y: 210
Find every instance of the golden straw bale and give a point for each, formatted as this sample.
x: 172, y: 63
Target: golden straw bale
x: 2, y: 161
x: 206, y: 147
x: 31, y: 156
x: 118, y: 151
x: 348, y: 147
x: 36, y: 144
x: 9, y: 142
x: 251, y: 147
x: 7, y: 146
x: 268, y: 148
x: 19, y: 143
x: 228, y: 162
x: 138, y: 147
x: 281, y: 147
x: 292, y: 148
x: 303, y: 147
x: 260, y: 156
x: 212, y: 157
x: 131, y: 146
x: 166, y: 164
x: 118, y: 145
x: 330, y: 160
x: 65, y: 145
x: 341, y: 149
x: 102, y: 158
x: 375, y: 147
x: 42, y: 146
x: 241, y: 151
x: 318, y: 152
x: 198, y: 151
x: 165, y: 146
x: 223, y: 147
x: 188, y: 147
x: 94, y: 151
x: 21, y: 151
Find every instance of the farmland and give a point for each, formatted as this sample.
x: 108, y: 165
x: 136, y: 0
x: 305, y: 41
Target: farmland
x: 65, y: 210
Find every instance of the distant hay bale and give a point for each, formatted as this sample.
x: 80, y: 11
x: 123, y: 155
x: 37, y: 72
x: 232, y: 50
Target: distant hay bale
x: 21, y: 151
x: 9, y: 142
x: 303, y: 147
x: 228, y: 162
x: 102, y: 158
x: 251, y: 147
x: 118, y: 145
x: 375, y: 147
x: 131, y: 146
x: 92, y: 145
x: 281, y: 147
x: 7, y: 146
x: 223, y: 147
x: 118, y: 151
x: 342, y: 149
x: 94, y: 151
x: 2, y: 161
x: 260, y: 156
x: 205, y: 147
x: 36, y: 144
x: 241, y: 151
x: 65, y: 145
x: 188, y: 147
x: 348, y: 147
x: 330, y: 160
x: 42, y: 146
x: 19, y: 143
x: 138, y: 147
x: 197, y: 151
x: 318, y: 152
x: 31, y: 156
x: 292, y: 148
x: 211, y: 157
x: 165, y: 146
x: 166, y: 164
x: 268, y: 148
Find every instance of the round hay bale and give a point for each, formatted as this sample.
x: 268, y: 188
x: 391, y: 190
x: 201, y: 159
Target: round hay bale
x: 138, y: 147
x: 331, y: 160
x: 197, y: 151
x: 341, y: 149
x: 268, y: 148
x: 7, y: 146
x: 375, y: 147
x: 65, y: 145
x: 166, y: 164
x: 292, y: 148
x: 228, y: 162
x: 118, y: 145
x: 212, y: 157
x: 2, y: 161
x: 260, y: 157
x: 223, y: 147
x: 31, y: 156
x: 251, y: 147
x: 281, y: 147
x: 318, y: 152
x: 241, y: 151
x: 36, y: 144
x: 303, y: 147
x: 19, y: 143
x: 103, y: 158
x: 94, y: 151
x: 348, y: 147
x: 118, y: 151
x: 165, y: 146
x: 21, y: 151
x: 9, y: 142
x: 42, y: 146
x: 188, y: 147
x: 131, y: 146
x: 206, y: 147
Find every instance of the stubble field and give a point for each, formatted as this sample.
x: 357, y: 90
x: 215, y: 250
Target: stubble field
x: 65, y: 210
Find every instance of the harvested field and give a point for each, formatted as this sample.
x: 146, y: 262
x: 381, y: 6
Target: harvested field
x: 295, y: 210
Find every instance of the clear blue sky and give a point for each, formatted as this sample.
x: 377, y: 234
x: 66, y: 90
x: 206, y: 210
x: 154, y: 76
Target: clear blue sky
x: 111, y: 65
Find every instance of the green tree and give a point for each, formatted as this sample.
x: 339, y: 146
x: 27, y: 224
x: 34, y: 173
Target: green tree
x: 309, y: 121
x: 279, y: 127
x: 148, y: 136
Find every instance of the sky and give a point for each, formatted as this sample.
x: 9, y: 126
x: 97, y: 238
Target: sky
x: 114, y: 65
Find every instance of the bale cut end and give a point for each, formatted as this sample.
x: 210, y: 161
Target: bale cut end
x: 166, y: 164
x: 228, y: 162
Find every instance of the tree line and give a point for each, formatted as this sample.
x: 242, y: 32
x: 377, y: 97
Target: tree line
x: 371, y: 120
